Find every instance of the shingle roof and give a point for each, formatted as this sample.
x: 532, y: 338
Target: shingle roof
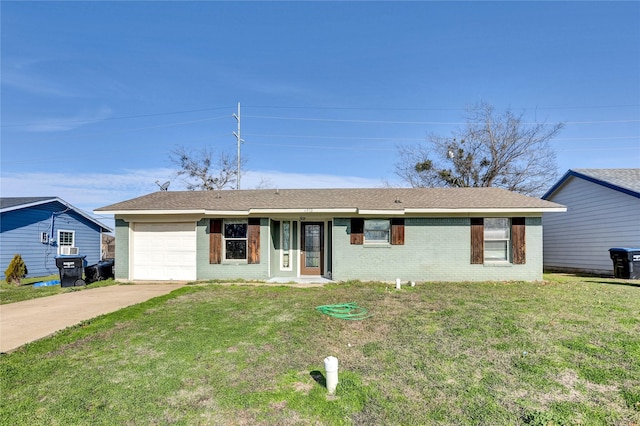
x: 357, y: 199
x: 623, y: 180
x: 7, y: 202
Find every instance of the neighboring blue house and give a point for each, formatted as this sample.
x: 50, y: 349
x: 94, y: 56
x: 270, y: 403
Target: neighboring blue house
x: 40, y: 228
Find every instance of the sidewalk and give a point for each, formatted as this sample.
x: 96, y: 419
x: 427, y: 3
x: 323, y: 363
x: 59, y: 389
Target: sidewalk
x: 30, y: 320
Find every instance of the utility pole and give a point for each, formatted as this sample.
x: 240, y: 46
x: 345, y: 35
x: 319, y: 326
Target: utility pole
x: 237, y: 135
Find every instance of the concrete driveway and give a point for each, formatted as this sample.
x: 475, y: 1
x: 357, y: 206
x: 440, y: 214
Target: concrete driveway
x: 24, y: 322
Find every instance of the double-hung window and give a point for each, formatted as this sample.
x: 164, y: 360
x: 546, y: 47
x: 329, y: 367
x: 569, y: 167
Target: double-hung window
x: 286, y: 245
x: 377, y: 231
x: 497, y: 239
x: 235, y: 239
x: 65, y: 239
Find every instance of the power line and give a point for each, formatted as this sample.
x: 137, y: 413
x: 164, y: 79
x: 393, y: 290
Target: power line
x: 325, y: 108
x: 437, y: 108
x: 426, y: 123
x: 117, y: 118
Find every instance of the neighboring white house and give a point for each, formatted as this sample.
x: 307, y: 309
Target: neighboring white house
x: 603, y: 212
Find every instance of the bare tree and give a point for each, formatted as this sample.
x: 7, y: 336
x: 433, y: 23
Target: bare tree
x: 202, y: 170
x: 265, y: 183
x: 492, y: 149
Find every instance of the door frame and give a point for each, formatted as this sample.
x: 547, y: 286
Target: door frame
x: 303, y: 269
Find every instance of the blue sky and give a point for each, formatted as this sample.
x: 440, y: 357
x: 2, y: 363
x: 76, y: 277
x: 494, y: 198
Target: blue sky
x: 95, y: 95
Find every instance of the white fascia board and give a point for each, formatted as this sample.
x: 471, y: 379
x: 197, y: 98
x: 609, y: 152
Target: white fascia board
x: 149, y: 212
x: 383, y: 212
x: 226, y: 213
x: 497, y: 210
x: 157, y: 218
x: 298, y: 211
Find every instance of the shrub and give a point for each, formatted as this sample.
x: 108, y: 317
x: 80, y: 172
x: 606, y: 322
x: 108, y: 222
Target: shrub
x: 16, y: 270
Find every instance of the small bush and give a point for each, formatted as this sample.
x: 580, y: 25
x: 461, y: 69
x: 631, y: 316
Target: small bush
x: 16, y: 270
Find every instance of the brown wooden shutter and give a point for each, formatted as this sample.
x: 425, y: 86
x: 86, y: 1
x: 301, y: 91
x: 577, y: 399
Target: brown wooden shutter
x: 215, y: 241
x: 477, y: 240
x: 397, y: 232
x: 357, y: 231
x: 253, y: 241
x: 518, y: 243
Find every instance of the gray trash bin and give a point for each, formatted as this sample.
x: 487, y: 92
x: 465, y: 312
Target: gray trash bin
x: 71, y: 268
x: 626, y: 262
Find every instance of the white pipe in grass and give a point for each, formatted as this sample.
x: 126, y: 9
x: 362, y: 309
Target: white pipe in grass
x: 331, y: 369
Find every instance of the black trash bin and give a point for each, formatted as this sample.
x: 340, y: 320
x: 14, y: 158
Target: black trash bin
x: 91, y: 273
x: 100, y: 271
x: 626, y: 262
x: 71, y: 268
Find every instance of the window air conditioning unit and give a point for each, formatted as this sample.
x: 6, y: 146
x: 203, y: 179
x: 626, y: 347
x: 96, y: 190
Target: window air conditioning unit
x: 68, y: 250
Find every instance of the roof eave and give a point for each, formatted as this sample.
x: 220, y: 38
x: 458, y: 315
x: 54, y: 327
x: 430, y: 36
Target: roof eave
x: 382, y: 212
x: 34, y: 203
x: 149, y: 212
x: 302, y: 210
x: 502, y: 210
x: 591, y: 179
x: 64, y: 203
x: 376, y: 212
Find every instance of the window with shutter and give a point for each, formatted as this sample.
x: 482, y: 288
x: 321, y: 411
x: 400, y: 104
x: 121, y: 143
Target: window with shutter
x: 397, y: 231
x: 357, y: 231
x: 215, y: 241
x: 477, y: 240
x: 253, y: 241
x: 518, y: 240
x: 498, y: 239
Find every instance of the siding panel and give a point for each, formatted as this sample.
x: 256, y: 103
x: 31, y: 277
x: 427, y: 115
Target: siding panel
x: 597, y: 219
x: 20, y: 234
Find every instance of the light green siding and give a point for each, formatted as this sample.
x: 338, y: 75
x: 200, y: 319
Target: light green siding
x: 121, y: 263
x: 435, y: 249
x: 231, y: 270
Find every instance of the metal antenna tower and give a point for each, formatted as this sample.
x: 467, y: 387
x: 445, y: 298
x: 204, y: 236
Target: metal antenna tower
x: 240, y: 140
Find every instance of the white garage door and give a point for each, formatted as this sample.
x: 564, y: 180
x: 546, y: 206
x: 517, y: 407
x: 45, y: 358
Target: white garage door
x: 164, y: 251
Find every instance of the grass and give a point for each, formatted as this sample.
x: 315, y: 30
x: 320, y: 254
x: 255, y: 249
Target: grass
x: 564, y: 351
x: 10, y: 293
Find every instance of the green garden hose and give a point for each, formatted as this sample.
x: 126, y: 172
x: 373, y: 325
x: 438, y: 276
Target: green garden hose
x: 346, y: 311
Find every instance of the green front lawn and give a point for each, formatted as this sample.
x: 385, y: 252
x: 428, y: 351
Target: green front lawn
x: 10, y: 293
x: 565, y: 351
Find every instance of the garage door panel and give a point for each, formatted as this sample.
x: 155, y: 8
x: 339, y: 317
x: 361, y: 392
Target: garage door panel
x: 164, y: 251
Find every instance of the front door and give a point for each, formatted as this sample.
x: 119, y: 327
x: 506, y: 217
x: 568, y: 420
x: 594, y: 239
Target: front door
x: 312, y: 248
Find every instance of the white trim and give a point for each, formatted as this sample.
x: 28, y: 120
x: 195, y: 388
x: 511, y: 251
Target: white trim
x: 73, y: 239
x: 226, y: 213
x: 382, y: 212
x: 376, y: 243
x: 151, y: 212
x: 245, y: 239
x: 291, y: 239
x: 490, y: 210
x: 305, y: 210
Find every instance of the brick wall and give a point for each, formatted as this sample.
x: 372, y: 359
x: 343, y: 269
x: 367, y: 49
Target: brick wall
x: 435, y: 249
x: 231, y: 270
